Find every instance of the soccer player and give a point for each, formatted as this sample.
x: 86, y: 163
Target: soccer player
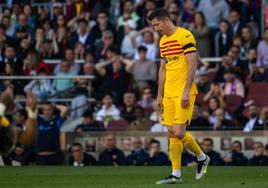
x: 177, y: 91
x: 9, y: 135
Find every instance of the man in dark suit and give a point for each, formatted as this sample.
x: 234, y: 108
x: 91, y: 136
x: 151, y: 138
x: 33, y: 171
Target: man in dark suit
x: 237, y: 158
x: 215, y: 157
x: 79, y: 157
x: 252, y: 122
x: 235, y: 23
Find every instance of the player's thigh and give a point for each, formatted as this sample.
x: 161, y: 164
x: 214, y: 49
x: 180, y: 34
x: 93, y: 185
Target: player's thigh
x: 168, y: 112
x: 183, y: 116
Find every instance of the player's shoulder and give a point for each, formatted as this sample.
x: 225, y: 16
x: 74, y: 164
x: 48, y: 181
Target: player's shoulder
x: 184, y: 32
x: 162, y: 39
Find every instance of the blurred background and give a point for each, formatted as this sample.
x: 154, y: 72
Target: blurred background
x: 93, y: 64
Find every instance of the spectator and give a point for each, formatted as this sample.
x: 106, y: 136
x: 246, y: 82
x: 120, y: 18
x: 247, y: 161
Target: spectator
x: 198, y: 122
x: 64, y: 84
x: 232, y: 85
x: 148, y: 38
x: 79, y: 157
x: 138, y: 155
x: 9, y: 25
x: 200, y: 30
x: 114, y: 73
x: 259, y: 159
x: 256, y: 73
x: 141, y: 123
x: 156, y: 157
x: 253, y: 119
x: 235, y: 23
x: 147, y: 100
x: 143, y: 70
x: 128, y: 13
x: 237, y: 41
x: 79, y: 51
x: 188, y: 11
x: 48, y: 140
x: 226, y: 63
x: 236, y: 157
x: 223, y: 39
x: 88, y: 123
x: 203, y: 84
x: 264, y: 117
x: 108, y: 111
x: 221, y: 122
x: 215, y: 157
x: 215, y: 91
x: 248, y: 40
x: 262, y: 51
x: 111, y: 154
x: 128, y: 111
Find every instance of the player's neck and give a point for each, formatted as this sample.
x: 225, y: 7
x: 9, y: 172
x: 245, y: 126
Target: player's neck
x: 171, y: 29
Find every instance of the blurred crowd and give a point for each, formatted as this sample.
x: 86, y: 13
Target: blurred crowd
x: 117, y: 46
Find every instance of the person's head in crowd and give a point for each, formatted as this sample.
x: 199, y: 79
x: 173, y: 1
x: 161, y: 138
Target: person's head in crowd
x: 196, y: 112
x: 21, y: 117
x: 264, y: 115
x: 65, y: 66
x: 109, y: 142
x: 111, y: 52
x: 175, y: 17
x: 199, y: 19
x: 16, y: 8
x: 23, y: 20
x: 69, y: 55
x: 154, y: 145
x: 220, y: 114
x: 188, y: 5
x: 129, y: 25
x: 142, y: 50
x: 88, y: 68
x: 107, y: 38
x: 77, y: 152
x: 148, y: 37
x: 128, y: 6
x: 6, y: 20
x: 10, y: 52
x: 234, y: 52
x: 61, y: 33
x: 126, y: 145
x: 46, y: 46
x: 82, y: 26
x: 207, y: 145
x: 40, y: 33
x: 2, y: 29
x: 252, y: 55
x: 6, y: 12
x: 57, y: 9
x: 21, y: 32
x: 224, y: 26
x: 246, y: 33
x: 32, y: 59
x: 147, y: 93
x: 107, y: 100
x: 202, y: 76
x: 226, y: 61
x: 265, y: 34
x: 48, y: 110
x: 252, y: 111
x: 237, y: 146
x: 46, y: 25
x: 136, y: 143
x: 25, y: 43
x: 150, y: 5
x: 129, y: 99
x: 229, y: 75
x: 27, y: 10
x: 234, y: 16
x: 237, y: 41
x: 88, y: 117
x: 258, y: 149
x: 103, y: 18
x: 213, y: 104
x: 139, y: 112
x: 89, y: 57
x: 79, y: 50
x: 60, y: 21
x: 266, y: 150
x: 173, y: 7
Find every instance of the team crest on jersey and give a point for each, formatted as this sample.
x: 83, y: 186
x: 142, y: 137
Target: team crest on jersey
x: 173, y: 58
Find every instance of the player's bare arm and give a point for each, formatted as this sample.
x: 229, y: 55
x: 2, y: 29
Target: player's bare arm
x: 161, y: 82
x: 191, y: 59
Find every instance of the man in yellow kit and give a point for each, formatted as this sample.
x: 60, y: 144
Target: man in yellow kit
x: 177, y: 91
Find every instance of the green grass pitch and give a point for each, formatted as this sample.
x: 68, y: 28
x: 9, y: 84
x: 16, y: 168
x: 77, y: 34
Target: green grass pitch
x: 133, y: 177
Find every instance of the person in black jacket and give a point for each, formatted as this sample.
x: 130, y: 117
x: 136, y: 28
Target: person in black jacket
x: 259, y: 159
x: 79, y: 157
x: 215, y: 157
x: 156, y: 157
x: 237, y: 158
x: 138, y: 155
x: 111, y: 155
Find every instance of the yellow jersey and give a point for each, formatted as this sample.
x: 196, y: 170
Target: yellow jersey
x: 173, y: 48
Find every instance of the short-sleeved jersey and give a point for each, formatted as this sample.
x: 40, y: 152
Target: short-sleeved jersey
x: 173, y: 48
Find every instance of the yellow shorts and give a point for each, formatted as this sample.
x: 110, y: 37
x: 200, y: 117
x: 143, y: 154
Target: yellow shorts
x: 173, y: 113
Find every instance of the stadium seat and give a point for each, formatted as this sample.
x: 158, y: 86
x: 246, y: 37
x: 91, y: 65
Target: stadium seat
x: 148, y: 111
x: 211, y: 76
x: 259, y: 99
x: 117, y: 125
x: 200, y: 100
x: 232, y: 102
x: 258, y: 88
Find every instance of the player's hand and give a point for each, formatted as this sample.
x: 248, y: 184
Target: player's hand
x: 185, y: 100
x: 160, y: 106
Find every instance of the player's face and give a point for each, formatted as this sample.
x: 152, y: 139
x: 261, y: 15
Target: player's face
x: 159, y: 25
